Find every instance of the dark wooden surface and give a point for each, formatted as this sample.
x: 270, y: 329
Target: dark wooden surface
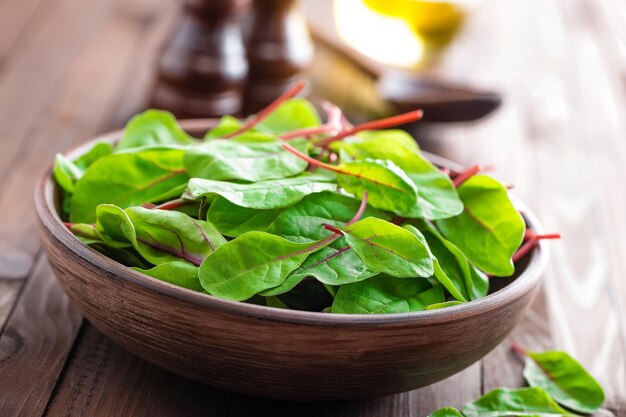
x: 71, y: 68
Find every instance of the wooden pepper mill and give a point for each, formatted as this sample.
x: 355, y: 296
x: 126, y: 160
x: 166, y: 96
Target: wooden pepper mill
x: 203, y: 67
x: 279, y: 48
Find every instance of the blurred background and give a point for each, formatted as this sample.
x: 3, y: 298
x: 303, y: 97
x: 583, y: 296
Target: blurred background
x: 536, y: 88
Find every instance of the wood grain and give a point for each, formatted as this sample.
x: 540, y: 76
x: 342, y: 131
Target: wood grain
x: 34, y: 345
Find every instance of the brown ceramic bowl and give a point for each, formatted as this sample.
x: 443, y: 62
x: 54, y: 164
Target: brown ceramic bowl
x: 272, y: 352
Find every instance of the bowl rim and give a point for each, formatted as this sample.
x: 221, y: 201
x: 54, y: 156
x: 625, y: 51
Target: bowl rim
x: 49, y: 218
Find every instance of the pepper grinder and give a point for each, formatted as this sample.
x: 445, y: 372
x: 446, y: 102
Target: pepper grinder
x: 203, y: 67
x: 279, y: 49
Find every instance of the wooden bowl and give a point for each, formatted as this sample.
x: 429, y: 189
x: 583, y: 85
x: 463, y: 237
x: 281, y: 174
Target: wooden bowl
x: 271, y: 352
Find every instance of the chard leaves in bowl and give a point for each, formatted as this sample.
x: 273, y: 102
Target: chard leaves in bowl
x: 256, y: 209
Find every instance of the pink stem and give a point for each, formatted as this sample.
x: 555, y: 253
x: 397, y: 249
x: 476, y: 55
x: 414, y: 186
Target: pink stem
x: 311, y: 160
x: 466, y: 174
x: 357, y: 216
x: 263, y: 114
x: 376, y: 124
x: 333, y: 229
x: 519, y: 350
x: 332, y: 125
x: 169, y: 205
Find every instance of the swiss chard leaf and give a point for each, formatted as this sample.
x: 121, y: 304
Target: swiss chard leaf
x: 180, y: 273
x: 153, y: 127
x: 250, y: 264
x: 246, y: 160
x: 296, y: 113
x: 489, y: 229
x: 128, y: 179
x: 388, y: 186
x: 261, y: 195
x: 565, y: 380
x: 67, y: 172
x: 304, y: 221
x: 387, y: 248
x: 504, y: 402
x: 385, y: 294
x: 453, y: 269
x: 436, y: 196
x: 233, y: 220
x: 335, y: 264
x: 159, y: 236
x: 446, y: 412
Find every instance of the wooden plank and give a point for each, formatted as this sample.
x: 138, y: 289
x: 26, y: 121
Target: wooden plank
x: 26, y: 92
x: 34, y: 345
x: 15, y: 16
x: 454, y: 391
x: 102, y: 379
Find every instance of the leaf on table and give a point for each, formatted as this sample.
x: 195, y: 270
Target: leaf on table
x: 261, y: 195
x: 180, y: 273
x: 304, y: 221
x: 384, y: 294
x: 387, y: 248
x: 436, y: 196
x: 127, y: 179
x: 233, y: 220
x: 388, y: 186
x: 446, y: 412
x: 490, y: 229
x: 250, y: 264
x: 565, y: 380
x: 152, y: 128
x: 504, y: 402
x: 246, y: 160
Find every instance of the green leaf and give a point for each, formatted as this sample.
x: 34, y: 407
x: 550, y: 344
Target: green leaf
x: 304, y: 221
x: 388, y: 186
x: 250, y: 264
x: 446, y: 412
x: 387, y: 248
x: 66, y: 172
x: 436, y: 196
x: 445, y: 304
x: 180, y: 273
x: 295, y: 113
x: 160, y: 236
x: 262, y: 195
x: 452, y: 268
x: 247, y: 160
x: 504, y: 402
x: 126, y: 256
x: 227, y: 124
x: 233, y: 220
x: 489, y: 229
x: 335, y: 264
x: 384, y: 294
x: 565, y: 380
x: 153, y: 127
x: 128, y: 179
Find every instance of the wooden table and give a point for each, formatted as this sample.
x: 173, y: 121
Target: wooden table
x: 73, y: 68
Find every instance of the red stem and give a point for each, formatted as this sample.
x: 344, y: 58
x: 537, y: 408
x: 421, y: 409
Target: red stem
x: 519, y: 350
x: 333, y: 229
x: 263, y: 114
x: 376, y: 124
x: 357, y: 216
x: 466, y: 174
x: 332, y: 125
x: 172, y: 204
x: 311, y: 160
